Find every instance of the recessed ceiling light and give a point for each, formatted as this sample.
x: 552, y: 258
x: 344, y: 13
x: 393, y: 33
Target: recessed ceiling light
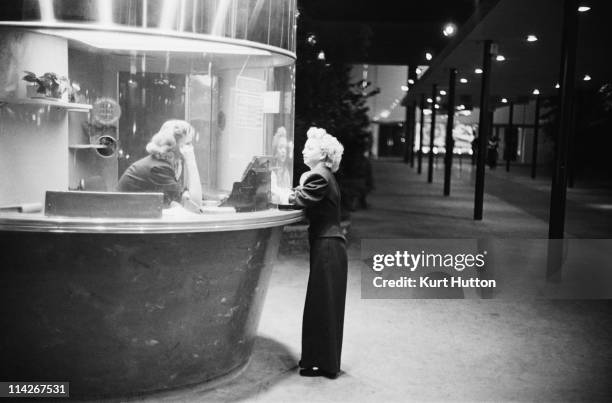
x: 312, y: 39
x: 500, y: 58
x: 428, y: 56
x: 321, y: 55
x: 463, y: 80
x: 442, y: 92
x: 437, y: 106
x: 404, y: 88
x: 449, y: 29
x: 504, y: 100
x: 583, y: 9
x: 478, y: 71
x: 532, y: 38
x: 411, y: 81
x: 587, y: 77
x: 536, y: 92
x: 557, y: 85
x: 429, y: 100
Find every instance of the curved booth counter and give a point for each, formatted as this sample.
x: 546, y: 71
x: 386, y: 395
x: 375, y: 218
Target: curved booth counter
x: 120, y: 307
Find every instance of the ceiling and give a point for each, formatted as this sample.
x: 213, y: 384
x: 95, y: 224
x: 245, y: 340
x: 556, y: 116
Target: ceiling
x: 400, y: 32
x: 384, y: 31
x: 528, y: 65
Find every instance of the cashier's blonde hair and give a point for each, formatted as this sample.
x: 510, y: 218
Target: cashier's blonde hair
x: 331, y: 149
x: 164, y: 143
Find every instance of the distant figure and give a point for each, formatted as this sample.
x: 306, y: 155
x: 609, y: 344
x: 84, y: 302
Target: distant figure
x: 363, y: 170
x: 170, y: 167
x: 492, y: 152
x: 356, y: 178
x: 318, y: 192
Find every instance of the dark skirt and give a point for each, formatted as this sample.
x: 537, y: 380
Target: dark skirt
x: 324, y: 308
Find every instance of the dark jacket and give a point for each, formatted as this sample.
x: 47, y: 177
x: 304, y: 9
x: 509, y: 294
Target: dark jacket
x: 320, y: 195
x: 152, y: 175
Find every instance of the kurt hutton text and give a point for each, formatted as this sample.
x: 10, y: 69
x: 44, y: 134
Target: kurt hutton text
x: 427, y: 282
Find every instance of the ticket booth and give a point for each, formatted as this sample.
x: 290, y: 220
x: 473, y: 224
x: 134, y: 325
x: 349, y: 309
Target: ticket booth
x: 118, y: 293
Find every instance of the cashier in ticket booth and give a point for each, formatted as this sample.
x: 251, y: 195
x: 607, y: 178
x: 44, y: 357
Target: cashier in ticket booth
x: 170, y: 167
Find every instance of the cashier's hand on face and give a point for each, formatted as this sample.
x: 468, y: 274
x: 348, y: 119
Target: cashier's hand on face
x: 187, y: 151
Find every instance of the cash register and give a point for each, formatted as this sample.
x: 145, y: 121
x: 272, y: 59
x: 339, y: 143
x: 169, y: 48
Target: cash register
x: 252, y: 192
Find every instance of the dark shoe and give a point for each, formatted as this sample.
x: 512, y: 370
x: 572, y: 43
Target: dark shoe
x: 329, y: 375
x: 312, y: 372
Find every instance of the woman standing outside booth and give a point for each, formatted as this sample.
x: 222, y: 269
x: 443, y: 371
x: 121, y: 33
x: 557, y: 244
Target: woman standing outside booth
x: 319, y: 193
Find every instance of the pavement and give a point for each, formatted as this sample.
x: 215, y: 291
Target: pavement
x: 515, y: 347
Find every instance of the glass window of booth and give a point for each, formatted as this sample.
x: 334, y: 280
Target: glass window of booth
x: 118, y: 90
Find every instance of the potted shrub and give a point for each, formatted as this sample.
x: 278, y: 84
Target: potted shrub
x: 47, y: 85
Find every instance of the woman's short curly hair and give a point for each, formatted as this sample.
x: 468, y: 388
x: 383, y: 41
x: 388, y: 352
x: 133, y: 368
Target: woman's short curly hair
x: 330, y: 147
x: 166, y: 139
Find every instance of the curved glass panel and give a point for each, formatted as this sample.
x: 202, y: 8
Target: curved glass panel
x: 79, y: 108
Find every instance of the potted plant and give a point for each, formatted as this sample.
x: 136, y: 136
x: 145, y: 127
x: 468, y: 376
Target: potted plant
x: 48, y: 85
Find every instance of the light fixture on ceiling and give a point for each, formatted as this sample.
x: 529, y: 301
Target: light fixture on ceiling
x: 312, y: 39
x: 437, y: 106
x: 463, y: 80
x: 410, y: 81
x: 504, y: 100
x: 321, y: 55
x: 586, y: 77
x: 583, y: 9
x: 500, y: 58
x: 442, y: 92
x: 532, y: 38
x: 449, y: 29
x: 428, y: 56
x: 438, y: 98
x: 478, y: 70
x: 404, y: 88
x: 536, y: 92
x: 557, y: 86
x: 429, y: 100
